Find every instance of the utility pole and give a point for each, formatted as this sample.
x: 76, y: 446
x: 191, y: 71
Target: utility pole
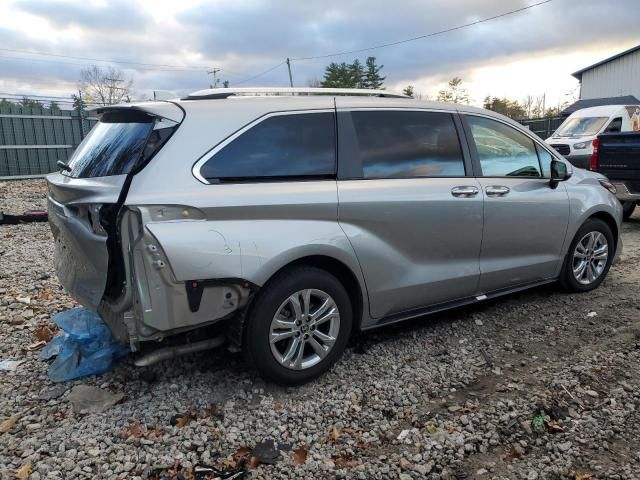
x: 214, y: 71
x: 289, y: 68
x: 112, y: 87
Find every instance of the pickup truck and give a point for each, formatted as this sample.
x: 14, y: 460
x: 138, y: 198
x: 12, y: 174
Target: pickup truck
x: 617, y: 156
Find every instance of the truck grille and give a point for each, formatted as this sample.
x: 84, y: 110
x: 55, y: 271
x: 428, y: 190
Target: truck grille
x: 562, y: 149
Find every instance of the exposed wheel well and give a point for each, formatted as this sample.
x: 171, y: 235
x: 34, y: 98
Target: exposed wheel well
x: 611, y: 223
x: 342, y: 273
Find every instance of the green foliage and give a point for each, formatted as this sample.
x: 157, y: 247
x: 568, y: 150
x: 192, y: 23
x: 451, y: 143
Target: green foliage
x: 557, y: 110
x: 353, y: 75
x: 510, y: 108
x: 78, y: 103
x: 372, y: 78
x: 27, y: 102
x: 454, y: 93
x: 408, y: 90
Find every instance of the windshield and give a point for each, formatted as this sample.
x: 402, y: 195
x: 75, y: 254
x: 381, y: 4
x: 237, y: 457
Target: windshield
x: 579, y: 126
x: 113, y: 146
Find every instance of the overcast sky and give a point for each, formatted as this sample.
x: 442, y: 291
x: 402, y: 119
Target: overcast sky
x: 531, y: 52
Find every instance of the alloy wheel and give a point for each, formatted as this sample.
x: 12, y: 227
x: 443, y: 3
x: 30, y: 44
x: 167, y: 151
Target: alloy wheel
x: 590, y: 257
x: 304, y: 329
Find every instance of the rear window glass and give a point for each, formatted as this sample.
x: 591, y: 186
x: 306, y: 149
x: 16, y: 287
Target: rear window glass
x: 406, y: 144
x: 292, y: 145
x: 113, y: 146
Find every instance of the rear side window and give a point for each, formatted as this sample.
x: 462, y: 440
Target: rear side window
x: 406, y: 144
x: 113, y: 147
x: 503, y: 151
x: 293, y: 145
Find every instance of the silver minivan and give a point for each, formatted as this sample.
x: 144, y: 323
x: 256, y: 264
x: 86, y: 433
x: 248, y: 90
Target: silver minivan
x: 281, y: 220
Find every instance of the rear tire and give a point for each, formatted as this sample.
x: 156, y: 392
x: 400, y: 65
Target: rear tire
x: 589, y: 257
x: 298, y: 326
x: 627, y: 209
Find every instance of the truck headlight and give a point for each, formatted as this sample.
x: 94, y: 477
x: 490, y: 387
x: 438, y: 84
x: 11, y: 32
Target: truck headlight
x: 581, y: 145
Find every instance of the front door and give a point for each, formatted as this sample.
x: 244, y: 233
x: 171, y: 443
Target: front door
x: 412, y: 215
x: 525, y: 220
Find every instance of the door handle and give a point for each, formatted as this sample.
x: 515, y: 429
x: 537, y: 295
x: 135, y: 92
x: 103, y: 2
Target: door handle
x: 496, y: 191
x: 465, y: 191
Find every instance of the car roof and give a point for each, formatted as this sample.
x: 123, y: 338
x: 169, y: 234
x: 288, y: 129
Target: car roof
x: 261, y: 101
x: 600, y: 111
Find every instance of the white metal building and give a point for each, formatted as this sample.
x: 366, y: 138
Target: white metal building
x: 616, y: 76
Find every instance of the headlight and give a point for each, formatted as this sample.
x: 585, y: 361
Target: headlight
x: 581, y: 145
x: 608, y: 185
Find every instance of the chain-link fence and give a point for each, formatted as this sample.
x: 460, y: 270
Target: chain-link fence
x: 32, y: 140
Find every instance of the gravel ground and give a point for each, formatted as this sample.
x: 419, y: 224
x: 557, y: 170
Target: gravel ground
x: 535, y: 385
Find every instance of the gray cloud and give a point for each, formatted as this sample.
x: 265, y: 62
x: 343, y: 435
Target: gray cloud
x: 114, y: 16
x: 245, y: 38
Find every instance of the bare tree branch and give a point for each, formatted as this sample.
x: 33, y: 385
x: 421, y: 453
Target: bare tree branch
x: 105, y: 86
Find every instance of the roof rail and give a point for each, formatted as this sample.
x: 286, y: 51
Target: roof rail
x: 215, y: 93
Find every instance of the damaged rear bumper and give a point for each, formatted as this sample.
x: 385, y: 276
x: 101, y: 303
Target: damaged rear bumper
x: 154, y: 304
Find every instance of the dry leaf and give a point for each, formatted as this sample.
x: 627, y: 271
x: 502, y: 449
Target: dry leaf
x: 554, y: 427
x: 277, y: 406
x: 182, y: 421
x: 512, y: 454
x: 44, y: 333
x: 8, y: 424
x: 253, y: 463
x: 134, y: 430
x: 431, y: 428
x: 583, y: 476
x: 24, y: 471
x: 344, y: 461
x: 299, y: 456
x: 334, y: 435
x: 45, y: 295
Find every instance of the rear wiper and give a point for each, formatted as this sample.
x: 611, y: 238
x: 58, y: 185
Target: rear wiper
x: 63, y: 166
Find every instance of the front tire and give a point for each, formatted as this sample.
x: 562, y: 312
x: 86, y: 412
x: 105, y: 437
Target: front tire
x: 298, y: 326
x: 589, y: 257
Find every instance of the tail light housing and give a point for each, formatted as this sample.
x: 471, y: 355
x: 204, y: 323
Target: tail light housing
x: 593, y: 161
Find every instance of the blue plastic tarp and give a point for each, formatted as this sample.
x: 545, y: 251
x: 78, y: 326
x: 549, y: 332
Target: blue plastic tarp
x: 84, y: 346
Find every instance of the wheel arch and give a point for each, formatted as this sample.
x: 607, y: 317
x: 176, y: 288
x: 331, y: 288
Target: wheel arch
x: 343, y: 273
x: 611, y: 223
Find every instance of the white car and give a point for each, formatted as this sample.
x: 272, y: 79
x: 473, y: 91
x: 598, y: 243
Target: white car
x: 574, y: 138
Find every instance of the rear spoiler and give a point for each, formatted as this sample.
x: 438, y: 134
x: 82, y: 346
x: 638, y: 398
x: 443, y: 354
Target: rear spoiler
x: 167, y: 110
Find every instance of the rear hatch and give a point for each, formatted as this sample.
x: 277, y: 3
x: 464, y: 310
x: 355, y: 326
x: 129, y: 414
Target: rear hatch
x: 619, y: 158
x: 85, y: 198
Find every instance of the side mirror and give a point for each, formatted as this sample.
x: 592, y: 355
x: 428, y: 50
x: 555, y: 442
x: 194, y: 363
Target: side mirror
x: 559, y: 173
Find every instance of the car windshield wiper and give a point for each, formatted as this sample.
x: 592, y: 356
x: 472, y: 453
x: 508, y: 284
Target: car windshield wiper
x: 63, y: 166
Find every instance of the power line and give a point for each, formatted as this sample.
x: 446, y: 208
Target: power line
x: 46, y: 54
x: 2, y: 57
x: 420, y: 37
x: 260, y: 74
x: 35, y: 96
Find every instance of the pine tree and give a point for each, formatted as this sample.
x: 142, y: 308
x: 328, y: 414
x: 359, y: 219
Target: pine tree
x: 334, y: 75
x: 356, y: 75
x: 455, y: 93
x: 372, y: 78
x: 408, y: 91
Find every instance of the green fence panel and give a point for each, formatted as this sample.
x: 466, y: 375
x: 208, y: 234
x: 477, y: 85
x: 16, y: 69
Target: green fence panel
x: 32, y: 140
